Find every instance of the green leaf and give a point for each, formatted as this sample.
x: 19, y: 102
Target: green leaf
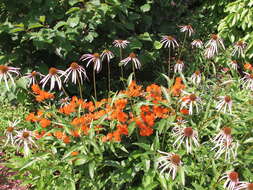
x: 36, y: 25
x: 145, y: 8
x: 157, y: 45
x: 91, y: 169
x: 22, y: 83
x: 80, y: 161
x: 42, y: 19
x: 73, y: 9
x: 73, y: 21
x: 145, y: 37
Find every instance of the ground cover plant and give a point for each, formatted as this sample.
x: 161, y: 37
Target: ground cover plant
x: 187, y: 124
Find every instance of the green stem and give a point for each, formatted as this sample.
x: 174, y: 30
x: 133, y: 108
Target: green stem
x: 121, y: 68
x: 94, y: 83
x: 134, y: 76
x: 109, y: 73
x: 66, y: 94
x: 80, y: 87
x: 182, y: 45
x: 169, y: 64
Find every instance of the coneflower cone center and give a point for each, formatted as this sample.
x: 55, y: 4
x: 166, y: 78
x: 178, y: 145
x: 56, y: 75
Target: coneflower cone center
x: 25, y: 134
x: 251, y: 76
x: 132, y: 55
x: 3, y: 69
x: 74, y: 66
x: 53, y: 71
x: 197, y: 72
x: 227, y: 130
x: 10, y: 129
x: 239, y: 43
x: 192, y: 97
x: 250, y: 186
x: 169, y: 38
x: 227, y: 99
x: 214, y: 36
x: 233, y: 176
x: 175, y: 159
x: 188, y: 131
x: 96, y: 55
x: 34, y: 73
x: 179, y: 62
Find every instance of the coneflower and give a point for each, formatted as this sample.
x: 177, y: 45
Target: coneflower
x: 5, y: 74
x: 170, y: 161
x: 224, y: 103
x: 196, y: 78
x: 121, y: 44
x: 32, y: 77
x: 78, y: 74
x: 25, y: 138
x: 197, y: 43
x: 179, y: 66
x: 190, y: 101
x: 10, y: 132
x: 213, y: 45
x: 97, y: 66
x: 185, y: 135
x: 232, y: 180
x: 244, y: 185
x: 136, y: 64
x: 168, y: 42
x: 54, y: 75
x: 239, y: 48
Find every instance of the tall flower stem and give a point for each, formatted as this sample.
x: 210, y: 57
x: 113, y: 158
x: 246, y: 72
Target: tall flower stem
x: 169, y: 64
x: 182, y: 45
x: 121, y: 68
x: 63, y: 89
x: 109, y: 78
x: 94, y: 84
x: 133, y: 71
x: 80, y: 88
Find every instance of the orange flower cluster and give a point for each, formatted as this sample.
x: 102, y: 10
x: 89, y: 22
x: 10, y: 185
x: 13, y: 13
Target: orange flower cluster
x: 147, y: 118
x: 248, y: 66
x: 83, y: 114
x: 154, y: 93
x: 40, y: 94
x: 177, y: 87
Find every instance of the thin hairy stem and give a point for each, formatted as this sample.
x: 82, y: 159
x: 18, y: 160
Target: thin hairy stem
x: 80, y: 87
x: 94, y: 84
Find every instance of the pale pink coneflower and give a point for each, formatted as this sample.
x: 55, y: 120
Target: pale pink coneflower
x: 77, y: 72
x: 239, y: 48
x: 10, y: 130
x: 179, y: 66
x: 25, y: 138
x: 132, y: 57
x: 234, y: 65
x: 227, y: 147
x: 170, y: 161
x: 64, y: 101
x: 197, y: 43
x: 107, y: 54
x: 243, y: 185
x: 55, y: 76
x: 212, y: 46
x: 32, y: 77
x: 224, y: 103
x: 120, y: 43
x: 232, y: 180
x: 223, y: 135
x: 5, y: 74
x: 95, y: 58
x: 185, y: 135
x: 196, y: 78
x: 169, y: 41
x: 187, y: 29
x: 190, y: 101
x: 247, y: 81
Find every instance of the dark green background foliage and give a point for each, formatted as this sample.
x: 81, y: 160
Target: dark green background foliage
x: 45, y: 33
